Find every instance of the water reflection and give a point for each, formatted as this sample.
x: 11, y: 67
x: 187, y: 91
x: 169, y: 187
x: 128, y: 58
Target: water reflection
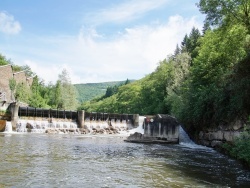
x: 77, y: 161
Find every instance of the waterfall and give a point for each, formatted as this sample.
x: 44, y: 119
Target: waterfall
x: 139, y: 129
x: 185, y: 140
x: 41, y: 126
x: 8, y: 127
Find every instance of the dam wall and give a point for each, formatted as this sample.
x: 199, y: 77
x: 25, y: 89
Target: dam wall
x: 162, y: 127
x: 39, y: 119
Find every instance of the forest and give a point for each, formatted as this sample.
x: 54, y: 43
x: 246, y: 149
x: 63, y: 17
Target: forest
x: 88, y: 91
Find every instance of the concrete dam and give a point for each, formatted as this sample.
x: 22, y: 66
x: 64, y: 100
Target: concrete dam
x: 158, y: 128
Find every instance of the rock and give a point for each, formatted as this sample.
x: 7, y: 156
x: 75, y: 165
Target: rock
x: 201, y: 134
x: 218, y: 135
x: 204, y: 142
x: 135, y: 136
x: 51, y: 131
x: 228, y: 136
x: 237, y: 125
x: 215, y: 143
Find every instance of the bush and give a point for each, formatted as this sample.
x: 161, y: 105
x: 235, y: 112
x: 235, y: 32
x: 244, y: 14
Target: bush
x: 240, y: 148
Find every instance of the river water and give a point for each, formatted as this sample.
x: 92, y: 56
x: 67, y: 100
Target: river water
x: 42, y: 160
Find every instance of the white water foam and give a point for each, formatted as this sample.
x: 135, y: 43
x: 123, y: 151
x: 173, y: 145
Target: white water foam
x: 8, y: 127
x: 42, y: 126
x: 185, y: 140
x: 139, y: 129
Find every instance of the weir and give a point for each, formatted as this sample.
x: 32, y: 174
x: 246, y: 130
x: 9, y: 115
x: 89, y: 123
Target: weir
x: 39, y: 120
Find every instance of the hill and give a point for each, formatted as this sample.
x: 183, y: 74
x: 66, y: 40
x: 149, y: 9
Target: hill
x: 89, y: 91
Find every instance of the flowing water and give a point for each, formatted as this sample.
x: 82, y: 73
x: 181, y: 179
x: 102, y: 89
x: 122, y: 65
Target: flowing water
x: 64, y: 160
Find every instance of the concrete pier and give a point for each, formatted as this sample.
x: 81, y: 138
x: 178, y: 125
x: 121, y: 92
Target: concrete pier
x: 161, y: 128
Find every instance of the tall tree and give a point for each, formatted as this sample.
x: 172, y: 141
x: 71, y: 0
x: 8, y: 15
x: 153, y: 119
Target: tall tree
x: 220, y: 12
x: 191, y: 42
x: 68, y: 92
x: 36, y: 98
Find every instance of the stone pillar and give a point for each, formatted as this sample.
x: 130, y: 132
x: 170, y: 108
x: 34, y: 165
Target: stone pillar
x: 81, y: 118
x: 14, y: 107
x: 136, y: 120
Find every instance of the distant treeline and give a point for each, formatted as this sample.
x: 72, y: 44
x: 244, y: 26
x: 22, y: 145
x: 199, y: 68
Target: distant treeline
x: 89, y: 91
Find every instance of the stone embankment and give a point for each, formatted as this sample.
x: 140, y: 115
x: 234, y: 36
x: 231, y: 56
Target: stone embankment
x: 215, y: 137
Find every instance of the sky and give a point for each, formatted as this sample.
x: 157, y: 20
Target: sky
x: 94, y: 40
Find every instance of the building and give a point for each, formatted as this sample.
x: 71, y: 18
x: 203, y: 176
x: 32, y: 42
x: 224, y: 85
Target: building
x: 6, y: 74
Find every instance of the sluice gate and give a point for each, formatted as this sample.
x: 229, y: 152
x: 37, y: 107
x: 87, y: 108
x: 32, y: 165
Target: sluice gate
x: 46, y: 114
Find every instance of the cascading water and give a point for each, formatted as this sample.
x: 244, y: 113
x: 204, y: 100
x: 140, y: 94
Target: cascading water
x: 8, y: 127
x: 139, y: 129
x: 41, y: 126
x: 185, y: 140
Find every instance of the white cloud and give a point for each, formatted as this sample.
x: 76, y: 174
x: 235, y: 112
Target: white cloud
x: 124, y: 12
x: 8, y: 24
x: 132, y: 54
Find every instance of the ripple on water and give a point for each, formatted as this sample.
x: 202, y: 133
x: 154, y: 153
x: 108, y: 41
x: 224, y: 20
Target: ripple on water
x: 66, y: 161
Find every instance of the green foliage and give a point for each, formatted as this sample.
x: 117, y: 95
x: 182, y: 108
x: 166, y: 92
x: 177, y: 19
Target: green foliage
x: 125, y: 100
x: 3, y: 60
x: 89, y: 91
x: 22, y: 93
x: 224, y: 12
x: 240, y: 147
x: 12, y: 84
x: 16, y: 68
x: 37, y: 98
x: 27, y: 70
x: 65, y: 93
x: 190, y: 43
x: 208, y: 93
x: 148, y: 95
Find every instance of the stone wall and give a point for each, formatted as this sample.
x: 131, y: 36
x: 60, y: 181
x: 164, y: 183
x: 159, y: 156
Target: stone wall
x: 5, y: 74
x: 29, y: 81
x: 20, y: 77
x: 215, y: 137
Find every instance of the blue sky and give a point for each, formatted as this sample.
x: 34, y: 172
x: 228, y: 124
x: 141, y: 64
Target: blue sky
x: 95, y: 40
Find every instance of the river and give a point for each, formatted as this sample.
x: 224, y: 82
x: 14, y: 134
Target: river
x: 42, y: 160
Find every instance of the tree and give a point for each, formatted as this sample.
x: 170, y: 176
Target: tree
x: 208, y: 92
x: 36, y: 98
x: 191, y: 42
x: 219, y: 12
x: 65, y: 92
x: 22, y: 93
x: 27, y: 70
x: 3, y: 60
x: 177, y: 50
